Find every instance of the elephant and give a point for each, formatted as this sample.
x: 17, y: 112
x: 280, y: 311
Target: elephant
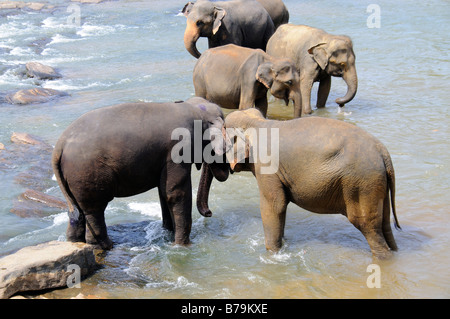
x: 277, y: 11
x: 236, y: 77
x: 241, y: 22
x: 127, y: 149
x: 323, y: 165
x: 275, y: 8
x: 318, y: 56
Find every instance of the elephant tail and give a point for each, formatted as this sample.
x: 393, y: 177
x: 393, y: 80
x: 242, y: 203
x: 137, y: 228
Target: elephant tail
x: 56, y: 164
x: 391, y: 182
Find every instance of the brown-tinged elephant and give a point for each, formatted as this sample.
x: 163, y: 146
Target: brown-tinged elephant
x: 236, y: 77
x: 127, y: 149
x: 241, y: 22
x: 323, y: 165
x: 318, y: 56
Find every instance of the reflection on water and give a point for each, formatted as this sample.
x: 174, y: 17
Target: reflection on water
x: 128, y: 51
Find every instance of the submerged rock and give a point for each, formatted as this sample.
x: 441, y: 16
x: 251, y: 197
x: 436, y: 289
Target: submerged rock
x: 45, y: 266
x: 25, y: 138
x: 41, y: 71
x: 36, y: 95
x: 88, y: 1
x: 35, y: 6
x: 33, y: 203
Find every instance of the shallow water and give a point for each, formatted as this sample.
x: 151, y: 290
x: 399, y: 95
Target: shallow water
x: 127, y: 51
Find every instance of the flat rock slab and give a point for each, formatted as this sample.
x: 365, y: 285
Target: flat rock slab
x: 33, y: 203
x: 36, y: 6
x: 45, y: 266
x: 36, y: 95
x: 41, y: 71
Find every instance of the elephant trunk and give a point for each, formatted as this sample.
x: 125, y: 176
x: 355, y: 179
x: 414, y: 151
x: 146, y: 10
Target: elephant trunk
x: 203, y: 191
x: 221, y: 173
x: 191, y: 35
x: 351, y: 79
x: 297, y: 98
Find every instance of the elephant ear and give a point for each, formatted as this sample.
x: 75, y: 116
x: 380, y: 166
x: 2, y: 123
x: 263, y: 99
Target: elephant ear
x: 219, y: 14
x: 187, y: 8
x: 265, y: 74
x: 219, y: 139
x: 320, y: 55
x: 240, y: 150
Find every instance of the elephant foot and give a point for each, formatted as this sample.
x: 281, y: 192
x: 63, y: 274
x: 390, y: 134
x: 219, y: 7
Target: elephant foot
x: 382, y: 254
x: 104, y: 244
x: 307, y: 112
x: 181, y: 243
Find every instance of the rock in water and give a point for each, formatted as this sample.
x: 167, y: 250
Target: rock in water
x: 40, y: 71
x: 45, y: 266
x: 33, y: 203
x: 25, y: 138
x: 36, y: 95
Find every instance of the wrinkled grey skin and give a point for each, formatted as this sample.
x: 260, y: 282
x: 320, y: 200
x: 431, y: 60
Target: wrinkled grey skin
x: 325, y: 166
x: 241, y: 22
x: 124, y: 150
x: 237, y: 77
x: 318, y: 56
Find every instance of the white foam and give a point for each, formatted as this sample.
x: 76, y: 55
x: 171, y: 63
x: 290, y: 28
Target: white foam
x: 58, y: 38
x: 152, y: 209
x: 88, y: 30
x: 59, y: 219
x: 18, y: 51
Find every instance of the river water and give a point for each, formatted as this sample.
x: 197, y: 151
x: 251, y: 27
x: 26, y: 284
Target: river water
x: 129, y: 51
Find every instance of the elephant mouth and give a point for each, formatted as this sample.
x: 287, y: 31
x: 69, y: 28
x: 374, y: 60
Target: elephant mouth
x: 284, y: 95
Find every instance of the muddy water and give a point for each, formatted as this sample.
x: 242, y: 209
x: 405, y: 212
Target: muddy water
x: 127, y: 51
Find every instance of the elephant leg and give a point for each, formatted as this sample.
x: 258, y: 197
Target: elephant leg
x: 76, y: 229
x: 167, y: 219
x: 305, y: 90
x: 262, y: 105
x: 324, y: 91
x: 96, y: 233
x: 246, y: 99
x: 273, y: 204
x: 368, y: 218
x: 177, y: 190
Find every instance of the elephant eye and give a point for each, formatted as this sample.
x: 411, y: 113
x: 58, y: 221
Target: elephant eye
x: 199, y: 23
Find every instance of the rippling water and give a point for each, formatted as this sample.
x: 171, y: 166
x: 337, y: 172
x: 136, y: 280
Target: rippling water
x: 127, y: 51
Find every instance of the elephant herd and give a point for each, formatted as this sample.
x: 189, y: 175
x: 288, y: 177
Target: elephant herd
x: 322, y: 165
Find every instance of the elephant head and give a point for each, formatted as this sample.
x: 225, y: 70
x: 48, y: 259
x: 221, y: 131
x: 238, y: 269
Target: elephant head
x: 203, y: 20
x: 336, y: 58
x: 282, y: 79
x: 214, y: 148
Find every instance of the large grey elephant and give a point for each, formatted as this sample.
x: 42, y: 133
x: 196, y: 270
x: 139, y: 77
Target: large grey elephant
x: 277, y: 11
x: 236, y: 77
x: 318, y: 56
x: 241, y: 22
x: 323, y: 165
x: 127, y: 149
